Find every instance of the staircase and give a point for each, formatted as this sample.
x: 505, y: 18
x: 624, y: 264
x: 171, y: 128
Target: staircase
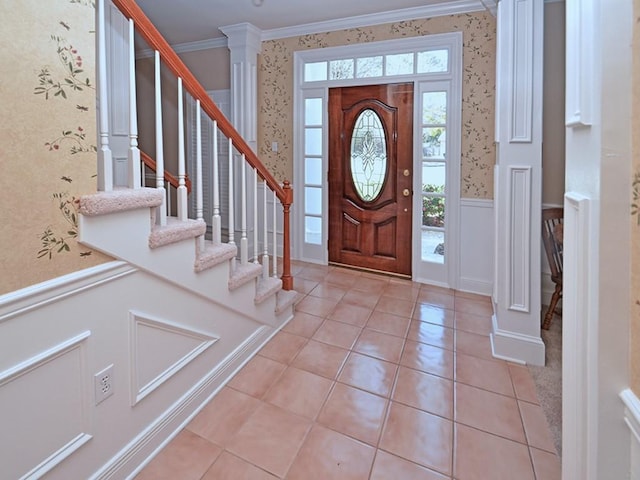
x: 137, y: 224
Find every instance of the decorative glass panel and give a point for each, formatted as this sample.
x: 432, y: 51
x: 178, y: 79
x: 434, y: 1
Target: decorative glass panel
x: 433, y: 211
x: 313, y: 111
x: 368, y: 155
x: 433, y: 61
x: 313, y: 230
x: 400, y: 64
x: 341, y: 69
x: 433, y: 177
x: 434, y: 142
x: 369, y: 67
x: 315, y: 72
x: 433, y: 246
x: 434, y: 108
x: 313, y: 171
x: 313, y: 200
x: 313, y: 141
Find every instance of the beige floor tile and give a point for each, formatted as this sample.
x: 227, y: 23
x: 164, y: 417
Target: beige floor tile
x: 355, y: 413
x: 342, y: 277
x: 388, y: 323
x: 283, y: 347
x: 187, y: 456
x: 485, y: 374
x: 368, y: 373
x: 431, y: 334
x: 474, y: 296
x: 363, y: 299
x: 387, y: 467
x: 300, y: 392
x: 474, y: 306
x: 536, y: 427
x: 436, y: 298
x: 314, y: 272
x: 223, y: 416
x: 488, y: 411
x: 270, y: 439
x: 402, y: 308
x: 326, y: 290
x: 418, y: 436
x: 304, y: 286
x: 230, y: 467
x: 257, y: 376
x: 473, y: 344
x: 434, y: 314
x: 337, y: 334
x: 321, y: 359
x: 379, y: 345
x: 469, y: 322
x: 482, y: 456
x: 326, y: 455
x: 303, y: 324
x: 320, y: 307
x: 426, y: 392
x: 427, y: 358
x: 402, y: 291
x: 523, y: 383
x: 547, y: 466
x: 351, y: 314
x: 374, y: 284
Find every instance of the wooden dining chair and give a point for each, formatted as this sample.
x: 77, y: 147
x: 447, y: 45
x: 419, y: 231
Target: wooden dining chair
x: 552, y: 237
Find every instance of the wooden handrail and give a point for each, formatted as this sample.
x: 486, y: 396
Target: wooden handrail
x: 156, y: 41
x: 168, y: 177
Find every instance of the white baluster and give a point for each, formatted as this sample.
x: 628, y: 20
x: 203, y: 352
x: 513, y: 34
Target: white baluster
x: 215, y: 220
x: 199, y: 208
x: 244, y: 242
x: 275, y: 237
x: 161, y: 217
x: 134, y: 151
x: 255, y: 216
x: 265, y: 236
x: 105, y: 161
x: 182, y: 185
x: 232, y: 225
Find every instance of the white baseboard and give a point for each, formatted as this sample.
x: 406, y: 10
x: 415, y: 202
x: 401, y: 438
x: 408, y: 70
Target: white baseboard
x: 632, y: 419
x: 517, y: 348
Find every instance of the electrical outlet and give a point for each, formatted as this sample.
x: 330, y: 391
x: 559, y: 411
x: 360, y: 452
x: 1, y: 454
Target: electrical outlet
x: 103, y: 383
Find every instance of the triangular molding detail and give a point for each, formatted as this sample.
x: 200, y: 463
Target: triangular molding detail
x: 187, y: 345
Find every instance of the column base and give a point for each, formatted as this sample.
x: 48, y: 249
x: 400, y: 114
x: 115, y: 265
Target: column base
x: 516, y: 347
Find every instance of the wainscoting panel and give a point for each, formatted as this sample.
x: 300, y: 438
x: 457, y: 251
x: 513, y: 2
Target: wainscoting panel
x: 632, y: 419
x: 476, y: 246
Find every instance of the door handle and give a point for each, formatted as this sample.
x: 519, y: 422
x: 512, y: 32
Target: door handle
x: 406, y: 192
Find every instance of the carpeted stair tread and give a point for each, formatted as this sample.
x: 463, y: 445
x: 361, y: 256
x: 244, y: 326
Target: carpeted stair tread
x: 175, y: 231
x: 243, y: 274
x: 119, y: 200
x: 266, y: 288
x: 286, y: 298
x: 214, y: 254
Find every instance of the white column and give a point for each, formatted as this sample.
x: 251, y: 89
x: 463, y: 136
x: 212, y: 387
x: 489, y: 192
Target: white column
x: 518, y: 182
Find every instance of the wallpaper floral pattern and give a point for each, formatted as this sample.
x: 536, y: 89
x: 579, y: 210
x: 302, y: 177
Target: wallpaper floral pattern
x: 275, y: 79
x: 48, y: 129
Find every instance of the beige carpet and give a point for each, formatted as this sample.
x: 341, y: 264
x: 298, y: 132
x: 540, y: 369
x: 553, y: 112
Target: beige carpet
x: 548, y: 380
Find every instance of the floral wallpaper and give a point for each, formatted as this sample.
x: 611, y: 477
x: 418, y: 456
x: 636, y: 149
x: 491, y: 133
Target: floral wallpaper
x: 275, y: 91
x: 48, y: 131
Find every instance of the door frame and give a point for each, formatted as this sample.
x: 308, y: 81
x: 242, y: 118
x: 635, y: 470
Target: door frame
x: 452, y: 41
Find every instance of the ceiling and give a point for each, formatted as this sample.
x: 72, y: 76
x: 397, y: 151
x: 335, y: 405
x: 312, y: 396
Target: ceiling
x: 187, y: 21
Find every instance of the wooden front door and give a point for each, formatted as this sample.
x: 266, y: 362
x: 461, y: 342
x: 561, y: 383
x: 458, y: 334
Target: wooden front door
x: 370, y: 176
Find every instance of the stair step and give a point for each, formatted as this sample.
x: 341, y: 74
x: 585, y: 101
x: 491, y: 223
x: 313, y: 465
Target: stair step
x: 119, y: 200
x: 286, y: 298
x: 243, y: 274
x: 266, y: 288
x: 175, y: 231
x: 214, y: 254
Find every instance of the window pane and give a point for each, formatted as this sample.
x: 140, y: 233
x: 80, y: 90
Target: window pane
x: 434, y: 61
x: 432, y: 211
x: 433, y: 246
x: 313, y: 200
x: 313, y: 141
x: 433, y: 177
x: 313, y: 111
x: 369, y: 67
x: 340, y: 69
x: 399, y: 64
x: 313, y: 171
x: 313, y: 230
x: 314, y: 72
x: 368, y: 155
x: 434, y: 108
x: 434, y: 142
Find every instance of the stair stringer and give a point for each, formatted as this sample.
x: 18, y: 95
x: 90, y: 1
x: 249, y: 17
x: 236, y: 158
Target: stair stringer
x: 125, y: 235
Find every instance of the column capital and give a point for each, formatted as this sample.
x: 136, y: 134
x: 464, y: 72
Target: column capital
x: 244, y: 41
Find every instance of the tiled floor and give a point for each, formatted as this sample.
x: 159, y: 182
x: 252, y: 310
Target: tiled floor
x: 374, y: 378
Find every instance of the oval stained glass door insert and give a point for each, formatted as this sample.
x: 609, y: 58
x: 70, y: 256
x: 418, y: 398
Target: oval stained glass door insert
x: 368, y: 155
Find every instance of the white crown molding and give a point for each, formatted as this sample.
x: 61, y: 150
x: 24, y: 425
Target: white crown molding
x: 427, y: 11
x: 188, y: 47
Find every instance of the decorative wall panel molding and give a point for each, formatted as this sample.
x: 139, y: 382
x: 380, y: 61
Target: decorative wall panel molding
x: 159, y: 350
x: 518, y: 228
x: 521, y: 124
x: 580, y: 68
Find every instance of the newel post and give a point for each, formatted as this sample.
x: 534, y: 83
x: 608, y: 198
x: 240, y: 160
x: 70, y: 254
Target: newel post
x: 287, y: 279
